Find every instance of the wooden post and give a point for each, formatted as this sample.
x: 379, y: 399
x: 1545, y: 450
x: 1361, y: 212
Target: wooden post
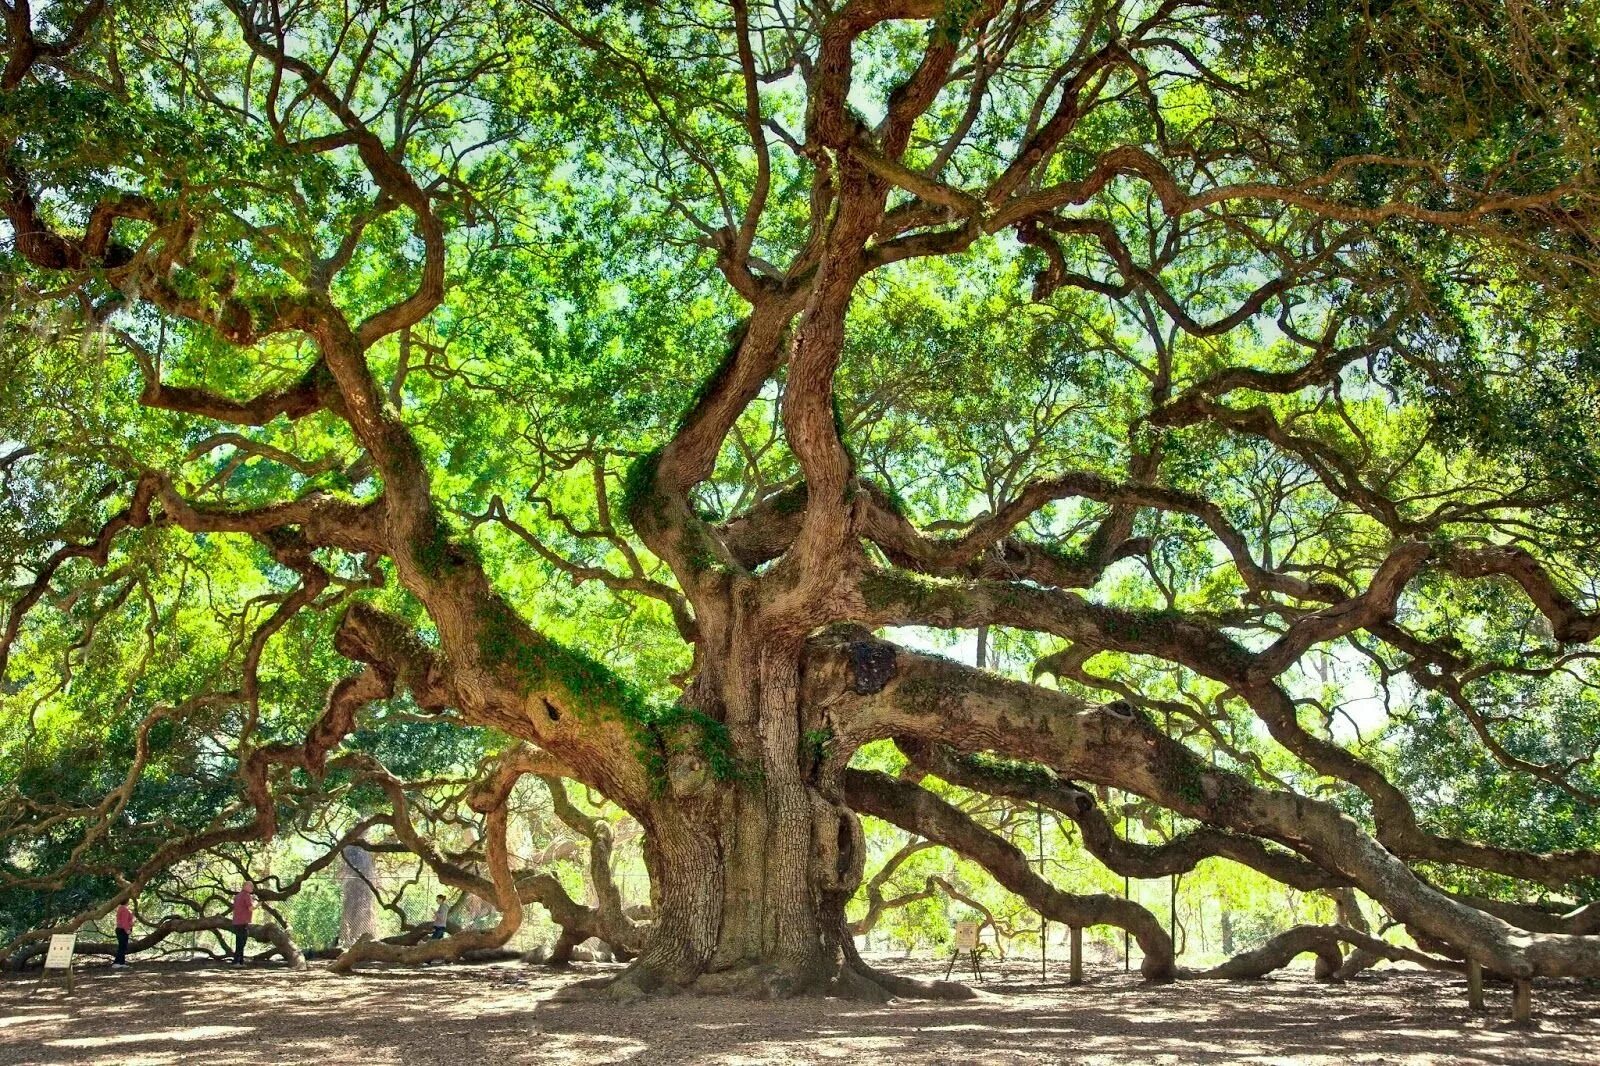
x: 1076, y: 973
x: 1522, y: 1001
x: 1474, y: 985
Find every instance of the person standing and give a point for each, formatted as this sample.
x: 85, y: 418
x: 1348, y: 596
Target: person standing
x: 124, y: 931
x: 244, y: 905
x: 441, y: 918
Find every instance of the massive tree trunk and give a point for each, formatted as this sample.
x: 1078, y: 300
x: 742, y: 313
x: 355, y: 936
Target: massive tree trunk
x: 745, y: 906
x: 751, y: 856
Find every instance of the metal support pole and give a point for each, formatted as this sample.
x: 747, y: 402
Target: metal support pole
x: 1044, y: 923
x: 1127, y: 966
x: 1172, y: 878
x: 1172, y: 910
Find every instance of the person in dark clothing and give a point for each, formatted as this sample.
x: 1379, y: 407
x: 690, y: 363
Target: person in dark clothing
x: 124, y: 931
x: 244, y: 905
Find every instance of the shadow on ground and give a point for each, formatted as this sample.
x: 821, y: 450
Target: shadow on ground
x: 453, y: 1016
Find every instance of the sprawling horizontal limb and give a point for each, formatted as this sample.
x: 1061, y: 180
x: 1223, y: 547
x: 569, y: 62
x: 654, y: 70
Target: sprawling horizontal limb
x: 1200, y: 644
x: 1323, y: 941
x: 1176, y: 856
x: 266, y: 932
x: 936, y: 700
x: 919, y: 811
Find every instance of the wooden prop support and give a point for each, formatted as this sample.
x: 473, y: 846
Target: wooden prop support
x: 977, y: 971
x: 1522, y: 1001
x: 1076, y: 972
x: 1474, y: 985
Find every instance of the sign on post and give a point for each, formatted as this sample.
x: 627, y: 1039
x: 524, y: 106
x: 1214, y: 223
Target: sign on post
x: 966, y: 940
x: 59, y: 954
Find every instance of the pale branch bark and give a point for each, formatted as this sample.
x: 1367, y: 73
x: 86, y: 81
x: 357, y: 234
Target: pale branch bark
x: 919, y: 811
x: 1322, y: 941
x: 1198, y: 644
x: 935, y: 700
x: 1582, y: 920
x: 1181, y: 854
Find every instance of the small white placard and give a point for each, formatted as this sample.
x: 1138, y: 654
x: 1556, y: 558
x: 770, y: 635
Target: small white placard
x: 966, y: 936
x: 59, y: 955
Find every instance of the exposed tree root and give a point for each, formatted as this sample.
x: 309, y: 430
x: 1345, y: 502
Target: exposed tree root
x: 908, y: 987
x: 850, y: 979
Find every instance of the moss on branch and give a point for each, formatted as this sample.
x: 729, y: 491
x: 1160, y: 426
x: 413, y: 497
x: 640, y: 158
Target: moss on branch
x: 441, y: 549
x: 590, y: 690
x: 641, y: 499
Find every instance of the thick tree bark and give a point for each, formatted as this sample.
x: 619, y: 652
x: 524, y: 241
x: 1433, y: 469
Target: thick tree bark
x: 931, y: 699
x: 752, y: 856
x: 914, y: 808
x: 735, y: 914
x: 743, y: 899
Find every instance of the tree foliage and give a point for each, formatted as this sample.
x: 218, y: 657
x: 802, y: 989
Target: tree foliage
x: 397, y: 402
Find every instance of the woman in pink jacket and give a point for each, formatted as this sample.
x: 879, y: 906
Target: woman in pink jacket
x: 244, y: 905
x: 124, y: 931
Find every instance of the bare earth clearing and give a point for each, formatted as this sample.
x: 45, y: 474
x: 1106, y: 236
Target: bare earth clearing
x: 168, y: 1013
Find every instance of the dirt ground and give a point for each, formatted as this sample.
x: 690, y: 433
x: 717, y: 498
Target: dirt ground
x: 466, y: 1015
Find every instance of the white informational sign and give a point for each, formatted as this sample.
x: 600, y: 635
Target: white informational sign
x: 966, y: 936
x: 59, y: 955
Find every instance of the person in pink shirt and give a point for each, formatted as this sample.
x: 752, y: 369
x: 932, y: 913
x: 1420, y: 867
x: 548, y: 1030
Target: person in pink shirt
x: 244, y: 905
x: 124, y: 931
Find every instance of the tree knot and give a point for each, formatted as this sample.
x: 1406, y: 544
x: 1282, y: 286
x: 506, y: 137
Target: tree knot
x: 871, y: 665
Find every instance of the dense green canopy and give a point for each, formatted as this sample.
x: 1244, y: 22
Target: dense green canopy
x: 397, y: 400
